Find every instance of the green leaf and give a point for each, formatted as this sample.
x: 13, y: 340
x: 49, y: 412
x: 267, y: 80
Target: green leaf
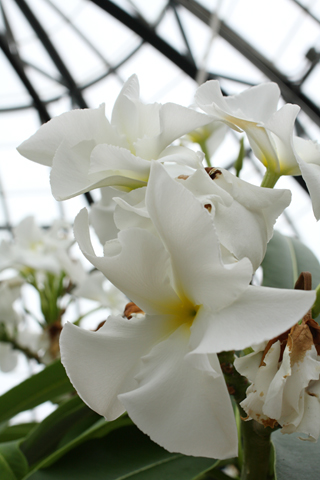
x: 295, y: 459
x: 14, y: 432
x: 43, y: 440
x: 5, y: 471
x: 126, y: 453
x: 285, y: 259
x: 13, y: 464
x: 99, y: 429
x: 49, y: 384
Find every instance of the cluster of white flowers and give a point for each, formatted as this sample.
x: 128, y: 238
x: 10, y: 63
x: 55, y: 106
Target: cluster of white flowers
x: 41, y: 257
x: 182, y: 243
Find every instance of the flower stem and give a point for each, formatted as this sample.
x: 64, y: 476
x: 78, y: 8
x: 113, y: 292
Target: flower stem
x: 203, y: 146
x: 257, y: 451
x: 270, y: 179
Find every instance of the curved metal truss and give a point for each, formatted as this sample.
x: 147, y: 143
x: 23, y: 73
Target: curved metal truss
x: 291, y: 89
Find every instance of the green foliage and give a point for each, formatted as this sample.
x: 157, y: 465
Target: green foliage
x: 126, y: 453
x: 13, y: 464
x: 285, y: 259
x: 295, y: 459
x: 49, y: 384
x: 238, y: 164
x: 14, y: 432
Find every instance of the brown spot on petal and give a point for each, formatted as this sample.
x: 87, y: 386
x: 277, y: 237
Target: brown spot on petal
x: 261, y: 394
x: 183, y: 177
x: 269, y: 422
x: 300, y: 340
x: 208, y: 206
x: 213, y: 172
x: 130, y: 309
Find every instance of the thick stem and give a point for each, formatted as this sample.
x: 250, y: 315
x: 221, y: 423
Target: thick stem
x: 257, y: 450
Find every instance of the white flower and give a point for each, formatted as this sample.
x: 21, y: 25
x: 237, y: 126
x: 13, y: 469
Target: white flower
x: 162, y: 367
x: 244, y: 214
x: 40, y: 249
x: 87, y: 152
x: 285, y: 376
x: 269, y: 131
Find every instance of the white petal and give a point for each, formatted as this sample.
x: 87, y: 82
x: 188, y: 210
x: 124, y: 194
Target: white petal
x: 102, y: 364
x: 187, y: 230
x: 259, y: 314
x: 309, y: 163
x: 102, y: 215
x: 76, y: 126
x: 183, y: 407
x: 255, y: 104
x: 176, y: 121
x: 281, y: 125
x: 244, y: 214
x: 137, y: 264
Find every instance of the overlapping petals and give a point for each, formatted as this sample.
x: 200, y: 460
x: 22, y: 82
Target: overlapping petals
x: 162, y: 366
x: 285, y: 376
x: 86, y: 151
x: 231, y: 201
x: 269, y: 131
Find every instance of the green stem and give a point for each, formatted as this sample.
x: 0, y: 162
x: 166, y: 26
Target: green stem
x: 203, y: 146
x: 257, y: 450
x: 270, y: 179
x: 255, y: 438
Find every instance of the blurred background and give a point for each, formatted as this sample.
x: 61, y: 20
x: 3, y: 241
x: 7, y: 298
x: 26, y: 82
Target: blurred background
x: 57, y: 55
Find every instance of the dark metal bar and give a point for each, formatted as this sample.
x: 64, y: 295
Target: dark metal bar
x: 18, y: 67
x: 46, y: 42
x: 173, y: 5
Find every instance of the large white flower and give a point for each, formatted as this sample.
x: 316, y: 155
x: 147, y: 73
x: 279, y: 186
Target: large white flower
x: 269, y: 131
x: 285, y: 376
x: 87, y: 152
x: 162, y: 366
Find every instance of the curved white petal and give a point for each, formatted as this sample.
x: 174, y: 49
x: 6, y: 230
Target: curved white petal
x: 244, y: 214
x: 309, y: 163
x: 259, y: 314
x: 184, y: 407
x: 281, y: 124
x: 109, y: 160
x: 102, y: 364
x: 188, y: 232
x: 176, y: 121
x: 102, y: 215
x: 137, y: 264
x: 76, y: 126
x: 255, y: 104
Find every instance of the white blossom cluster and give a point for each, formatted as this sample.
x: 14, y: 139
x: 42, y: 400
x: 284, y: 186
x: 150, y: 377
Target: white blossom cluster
x: 182, y: 242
